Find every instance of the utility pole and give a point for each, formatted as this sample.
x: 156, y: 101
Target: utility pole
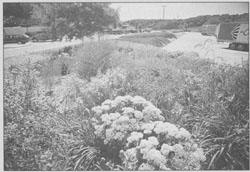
x: 164, y: 6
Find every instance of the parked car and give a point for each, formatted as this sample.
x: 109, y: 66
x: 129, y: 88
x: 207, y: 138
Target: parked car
x: 41, y: 36
x: 21, y: 39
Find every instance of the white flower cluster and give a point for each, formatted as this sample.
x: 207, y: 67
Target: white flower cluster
x: 182, y: 156
x: 151, y: 143
x: 116, y: 125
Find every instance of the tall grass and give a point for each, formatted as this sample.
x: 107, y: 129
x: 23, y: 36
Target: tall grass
x: 91, y: 58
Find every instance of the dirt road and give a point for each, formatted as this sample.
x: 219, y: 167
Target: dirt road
x: 207, y: 47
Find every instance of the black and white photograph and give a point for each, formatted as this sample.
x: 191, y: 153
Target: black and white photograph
x: 125, y: 85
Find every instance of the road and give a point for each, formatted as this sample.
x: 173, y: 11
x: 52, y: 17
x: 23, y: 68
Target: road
x: 14, y: 50
x: 207, y: 47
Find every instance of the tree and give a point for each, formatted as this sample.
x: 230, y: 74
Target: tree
x: 85, y: 19
x: 47, y: 14
x: 15, y: 14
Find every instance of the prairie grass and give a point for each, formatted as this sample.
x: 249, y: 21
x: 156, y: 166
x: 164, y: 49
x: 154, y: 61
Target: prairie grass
x: 47, y: 112
x: 92, y: 57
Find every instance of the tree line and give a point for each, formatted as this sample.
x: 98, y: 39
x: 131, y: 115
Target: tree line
x: 190, y: 22
x: 74, y: 19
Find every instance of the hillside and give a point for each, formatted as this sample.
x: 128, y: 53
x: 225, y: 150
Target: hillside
x: 190, y: 22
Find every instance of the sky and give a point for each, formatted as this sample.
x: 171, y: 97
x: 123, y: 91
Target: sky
x: 179, y: 10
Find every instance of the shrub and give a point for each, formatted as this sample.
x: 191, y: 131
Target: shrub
x: 134, y: 130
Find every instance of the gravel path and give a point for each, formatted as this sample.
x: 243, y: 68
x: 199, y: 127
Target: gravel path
x: 207, y: 47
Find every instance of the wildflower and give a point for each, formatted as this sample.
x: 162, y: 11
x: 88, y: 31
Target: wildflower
x: 198, y: 155
x: 160, y: 128
x: 146, y: 167
x: 128, y: 110
x: 97, y: 110
x: 119, y: 136
x: 114, y: 116
x: 155, y: 157
x: 165, y: 149
x: 152, y: 113
x: 147, y: 132
x: 107, y: 102
x: 109, y: 134
x: 137, y: 100
x: 120, y: 99
x: 133, y: 121
x: 134, y: 137
x: 105, y: 108
x: 106, y: 119
x: 94, y: 120
x: 183, y: 133
x: 178, y: 149
x: 146, y: 145
x: 131, y: 153
x: 138, y: 115
x: 114, y: 104
x: 122, y: 119
x: 99, y: 130
x: 128, y: 98
x: 148, y: 126
x: 153, y: 141
x: 171, y: 129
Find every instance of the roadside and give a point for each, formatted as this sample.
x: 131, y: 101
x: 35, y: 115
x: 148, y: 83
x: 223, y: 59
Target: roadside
x: 6, y: 46
x: 207, y: 47
x: 14, y: 50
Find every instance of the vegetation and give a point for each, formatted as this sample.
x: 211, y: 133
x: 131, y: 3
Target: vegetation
x: 107, y: 106
x: 74, y: 19
x: 190, y: 22
x: 157, y: 39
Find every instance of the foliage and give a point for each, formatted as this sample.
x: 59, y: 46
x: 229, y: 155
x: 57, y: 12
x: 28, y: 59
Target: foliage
x: 48, y: 122
x: 14, y: 13
x: 190, y: 22
x: 84, y: 19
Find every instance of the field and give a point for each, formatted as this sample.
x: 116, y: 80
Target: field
x: 123, y: 105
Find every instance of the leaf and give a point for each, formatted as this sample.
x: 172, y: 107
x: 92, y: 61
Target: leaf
x: 78, y: 162
x: 213, y: 159
x: 221, y: 151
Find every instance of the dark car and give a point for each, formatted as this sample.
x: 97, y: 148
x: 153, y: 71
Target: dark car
x: 21, y: 39
x: 42, y: 36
